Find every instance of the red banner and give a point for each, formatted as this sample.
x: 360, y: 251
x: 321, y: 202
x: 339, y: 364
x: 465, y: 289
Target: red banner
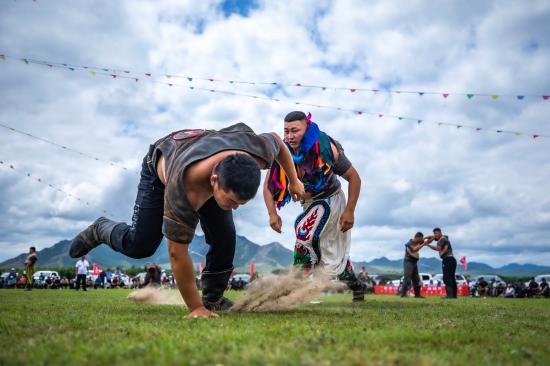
x: 463, y: 290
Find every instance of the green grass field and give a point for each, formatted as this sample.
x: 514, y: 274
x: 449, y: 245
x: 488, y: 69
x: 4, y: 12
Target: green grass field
x: 101, y: 327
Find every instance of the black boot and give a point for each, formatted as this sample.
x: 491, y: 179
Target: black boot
x: 97, y: 233
x: 417, y: 292
x: 213, y: 285
x: 357, y: 287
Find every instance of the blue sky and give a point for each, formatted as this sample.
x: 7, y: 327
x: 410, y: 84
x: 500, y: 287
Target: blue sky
x: 488, y: 191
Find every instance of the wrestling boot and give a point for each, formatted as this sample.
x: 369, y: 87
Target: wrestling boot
x: 213, y: 285
x: 97, y: 233
x: 357, y: 288
x: 417, y: 292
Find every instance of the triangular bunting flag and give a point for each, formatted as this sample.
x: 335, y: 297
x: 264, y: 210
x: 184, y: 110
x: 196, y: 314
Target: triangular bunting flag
x: 168, y: 76
x: 25, y: 61
x: 298, y: 84
x: 499, y: 131
x: 421, y: 93
x: 353, y: 90
x: 478, y: 129
x: 470, y: 96
x: 535, y: 136
x: 359, y: 112
x: 324, y: 88
x: 126, y: 71
x: 458, y: 126
x: 211, y: 79
x: 147, y: 74
x: 191, y: 87
x: 380, y: 115
x: 2, y: 57
x: 517, y: 133
x: 445, y: 95
x: 71, y: 68
x: 439, y: 123
x: 419, y: 121
x: 114, y: 76
x: 494, y: 97
x: 520, y: 97
x: 397, y: 92
x: 400, y: 118
x: 545, y: 97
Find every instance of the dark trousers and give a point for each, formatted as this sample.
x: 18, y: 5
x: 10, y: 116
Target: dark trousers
x: 410, y: 274
x: 142, y: 238
x: 449, y: 269
x: 81, y: 279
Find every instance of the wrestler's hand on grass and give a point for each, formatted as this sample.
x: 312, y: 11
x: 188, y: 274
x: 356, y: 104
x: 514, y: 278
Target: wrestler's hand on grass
x: 202, y: 312
x: 297, y: 190
x: 346, y: 221
x: 275, y: 222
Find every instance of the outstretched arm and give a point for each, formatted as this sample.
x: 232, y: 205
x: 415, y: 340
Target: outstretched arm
x: 274, y: 219
x: 354, y: 188
x: 182, y: 267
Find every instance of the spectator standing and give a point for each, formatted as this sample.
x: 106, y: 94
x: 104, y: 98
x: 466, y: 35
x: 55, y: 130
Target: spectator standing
x: 29, y: 267
x: 81, y: 266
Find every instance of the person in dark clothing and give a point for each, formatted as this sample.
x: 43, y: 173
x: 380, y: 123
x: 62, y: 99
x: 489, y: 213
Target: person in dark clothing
x: 187, y: 177
x: 533, y: 288
x: 482, y: 287
x: 152, y: 275
x: 445, y: 250
x: 544, y: 288
x: 410, y: 265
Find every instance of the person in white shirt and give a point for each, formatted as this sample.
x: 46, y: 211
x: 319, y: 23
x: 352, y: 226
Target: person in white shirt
x: 510, y: 291
x: 81, y: 267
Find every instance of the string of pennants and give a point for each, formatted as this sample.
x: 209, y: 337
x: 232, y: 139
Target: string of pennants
x: 125, y: 74
x: 51, y: 186
x: 67, y: 148
x: 190, y: 79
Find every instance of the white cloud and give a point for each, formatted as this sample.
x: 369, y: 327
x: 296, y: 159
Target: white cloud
x: 488, y: 191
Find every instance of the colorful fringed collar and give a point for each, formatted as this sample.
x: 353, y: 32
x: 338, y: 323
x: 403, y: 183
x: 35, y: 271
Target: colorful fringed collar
x: 313, y: 161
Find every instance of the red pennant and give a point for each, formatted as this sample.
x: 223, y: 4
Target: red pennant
x: 546, y: 97
x: 359, y: 112
x: 445, y: 95
x: 353, y: 90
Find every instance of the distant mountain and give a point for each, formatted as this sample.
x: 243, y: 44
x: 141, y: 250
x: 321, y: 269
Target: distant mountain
x: 265, y: 257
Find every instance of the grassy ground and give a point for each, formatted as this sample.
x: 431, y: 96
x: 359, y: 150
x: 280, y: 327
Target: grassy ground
x: 64, y: 327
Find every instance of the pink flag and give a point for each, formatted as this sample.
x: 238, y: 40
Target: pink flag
x: 96, y: 270
x: 464, y: 263
x: 201, y: 267
x: 252, y: 267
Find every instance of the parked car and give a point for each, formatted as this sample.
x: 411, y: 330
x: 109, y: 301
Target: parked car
x: 46, y: 274
x: 425, y: 279
x: 239, y: 281
x: 489, y: 278
x: 460, y: 279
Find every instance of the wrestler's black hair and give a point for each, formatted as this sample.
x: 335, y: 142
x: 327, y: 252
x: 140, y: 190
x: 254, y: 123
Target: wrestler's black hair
x: 295, y: 116
x: 419, y: 235
x: 33, y: 249
x: 437, y: 229
x: 240, y: 174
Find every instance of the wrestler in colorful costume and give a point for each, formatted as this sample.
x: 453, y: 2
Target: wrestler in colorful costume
x: 322, y: 229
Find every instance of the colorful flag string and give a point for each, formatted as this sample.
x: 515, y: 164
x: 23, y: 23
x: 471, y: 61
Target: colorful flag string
x: 190, y: 79
x: 67, y: 148
x: 418, y: 121
x: 51, y: 186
